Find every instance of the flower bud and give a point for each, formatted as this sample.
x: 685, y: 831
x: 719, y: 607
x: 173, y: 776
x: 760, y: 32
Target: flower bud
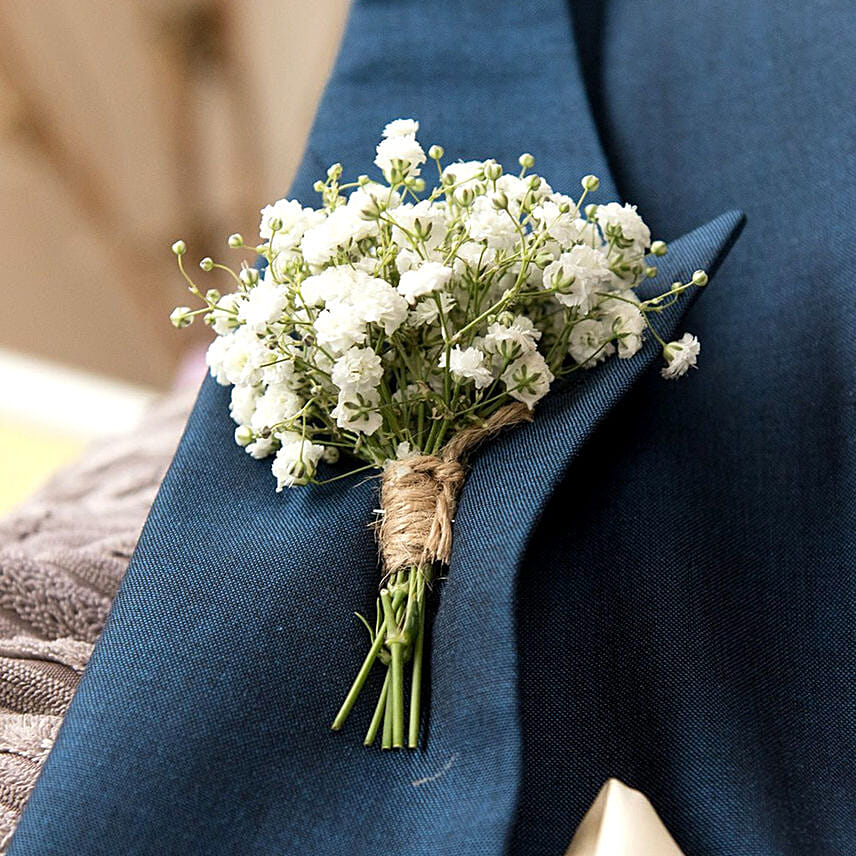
x: 334, y: 171
x: 363, y: 180
x: 181, y: 317
x: 418, y: 185
x: 249, y: 276
x: 700, y: 278
x: 466, y: 195
x: 659, y: 248
x: 235, y: 241
x: 318, y: 187
x: 590, y: 182
x: 534, y: 182
x: 435, y: 152
x: 492, y: 170
x: 207, y: 263
x: 500, y: 200
x: 526, y: 160
x: 275, y: 224
x: 179, y: 248
x: 372, y: 209
x: 212, y: 295
x: 591, y: 213
x: 243, y: 435
x: 330, y: 455
x: 505, y: 318
x: 650, y: 272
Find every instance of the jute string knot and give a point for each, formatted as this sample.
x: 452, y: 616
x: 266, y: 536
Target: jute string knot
x: 419, y: 495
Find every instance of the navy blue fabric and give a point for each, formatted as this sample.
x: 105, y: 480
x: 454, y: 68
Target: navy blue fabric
x: 652, y: 580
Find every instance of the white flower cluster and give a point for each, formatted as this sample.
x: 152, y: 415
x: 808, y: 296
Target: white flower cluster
x: 390, y: 318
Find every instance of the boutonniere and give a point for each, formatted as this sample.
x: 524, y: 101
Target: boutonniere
x: 401, y: 326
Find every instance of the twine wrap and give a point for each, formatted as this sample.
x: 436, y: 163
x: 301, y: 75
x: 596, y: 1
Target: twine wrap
x: 419, y: 495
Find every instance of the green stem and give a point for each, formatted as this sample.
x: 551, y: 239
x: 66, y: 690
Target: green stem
x: 371, y: 734
x: 396, y: 670
x: 416, y: 680
x: 359, y: 681
x: 386, y: 738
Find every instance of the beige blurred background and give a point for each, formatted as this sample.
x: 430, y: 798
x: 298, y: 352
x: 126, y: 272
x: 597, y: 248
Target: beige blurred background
x: 125, y: 124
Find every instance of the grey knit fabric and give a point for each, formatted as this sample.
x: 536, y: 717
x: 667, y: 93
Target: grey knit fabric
x: 62, y: 555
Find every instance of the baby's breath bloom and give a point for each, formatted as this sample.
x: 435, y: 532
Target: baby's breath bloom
x: 577, y: 275
x: 357, y: 370
x: 358, y: 412
x: 680, y: 356
x: 263, y: 305
x: 382, y: 310
x: 509, y: 341
x: 242, y: 403
x: 626, y: 218
x: 400, y: 152
x: 468, y: 364
x: 277, y: 405
x: 627, y: 323
x: 590, y: 342
x: 417, y: 282
x: 401, y: 128
x: 528, y: 378
x: 296, y: 461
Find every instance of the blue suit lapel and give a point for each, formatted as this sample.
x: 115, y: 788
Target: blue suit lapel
x: 201, y: 725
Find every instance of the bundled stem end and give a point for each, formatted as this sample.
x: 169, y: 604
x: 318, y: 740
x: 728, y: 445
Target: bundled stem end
x: 419, y: 496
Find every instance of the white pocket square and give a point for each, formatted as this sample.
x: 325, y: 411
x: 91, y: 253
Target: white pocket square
x: 621, y: 822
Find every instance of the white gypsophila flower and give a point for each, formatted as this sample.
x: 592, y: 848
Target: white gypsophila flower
x: 296, y: 462
x: 627, y: 323
x: 224, y: 317
x: 215, y: 359
x: 357, y: 370
x: 372, y: 198
x: 429, y: 277
x: 558, y: 225
x: 486, y: 223
x: 331, y: 285
x: 425, y: 222
x: 528, y: 378
x: 680, y: 356
x: 237, y: 358
x: 401, y: 128
x: 402, y: 152
x: 463, y: 175
x: 468, y: 364
x: 339, y: 232
x: 280, y: 369
x: 277, y: 404
x: 577, y: 275
x: 261, y: 447
x: 474, y: 257
x: 242, y: 403
x: 406, y: 259
x: 427, y: 311
x: 264, y: 304
x: 377, y: 302
x: 358, y: 412
x: 339, y: 327
x: 515, y: 190
x: 633, y: 228
x: 589, y: 342
x: 512, y: 340
x: 294, y: 221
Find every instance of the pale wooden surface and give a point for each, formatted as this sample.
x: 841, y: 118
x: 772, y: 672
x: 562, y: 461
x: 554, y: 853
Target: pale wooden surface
x: 123, y: 125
